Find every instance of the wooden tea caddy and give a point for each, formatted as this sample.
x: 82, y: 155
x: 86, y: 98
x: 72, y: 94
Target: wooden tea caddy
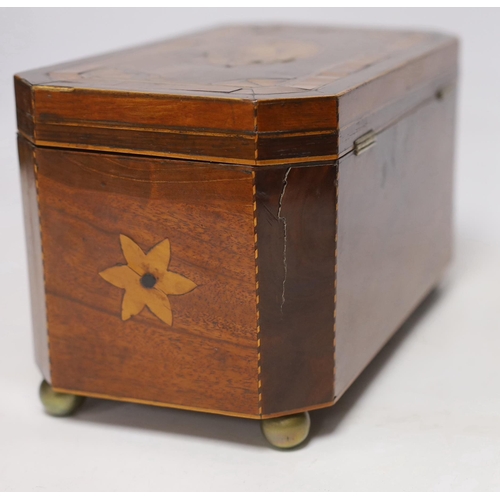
x: 234, y: 221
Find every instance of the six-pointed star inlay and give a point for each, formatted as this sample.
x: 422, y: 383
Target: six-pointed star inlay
x: 147, y: 280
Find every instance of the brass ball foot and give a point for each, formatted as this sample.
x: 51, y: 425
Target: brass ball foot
x: 58, y: 404
x: 287, y: 432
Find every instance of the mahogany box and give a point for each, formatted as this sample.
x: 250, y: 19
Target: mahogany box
x: 234, y: 221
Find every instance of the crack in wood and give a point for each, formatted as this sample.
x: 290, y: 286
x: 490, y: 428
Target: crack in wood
x: 283, y: 221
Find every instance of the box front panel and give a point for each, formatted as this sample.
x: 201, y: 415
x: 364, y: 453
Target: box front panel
x: 150, y: 279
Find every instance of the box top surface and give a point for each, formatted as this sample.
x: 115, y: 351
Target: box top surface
x: 246, y: 87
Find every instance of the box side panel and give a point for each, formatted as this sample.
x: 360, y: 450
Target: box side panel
x: 35, y: 257
x: 295, y: 208
x: 395, y: 231
x: 186, y: 334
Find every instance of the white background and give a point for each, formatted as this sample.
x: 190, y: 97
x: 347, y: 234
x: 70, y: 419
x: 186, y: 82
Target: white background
x: 425, y: 415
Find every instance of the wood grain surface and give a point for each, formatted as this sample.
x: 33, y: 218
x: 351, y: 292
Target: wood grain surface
x: 395, y: 231
x: 253, y: 95
x: 29, y: 186
x: 207, y: 358
x: 296, y: 262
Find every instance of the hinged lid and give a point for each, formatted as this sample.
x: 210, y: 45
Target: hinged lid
x: 248, y: 95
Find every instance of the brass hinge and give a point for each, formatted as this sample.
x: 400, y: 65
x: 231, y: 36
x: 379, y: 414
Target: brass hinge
x: 365, y: 142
